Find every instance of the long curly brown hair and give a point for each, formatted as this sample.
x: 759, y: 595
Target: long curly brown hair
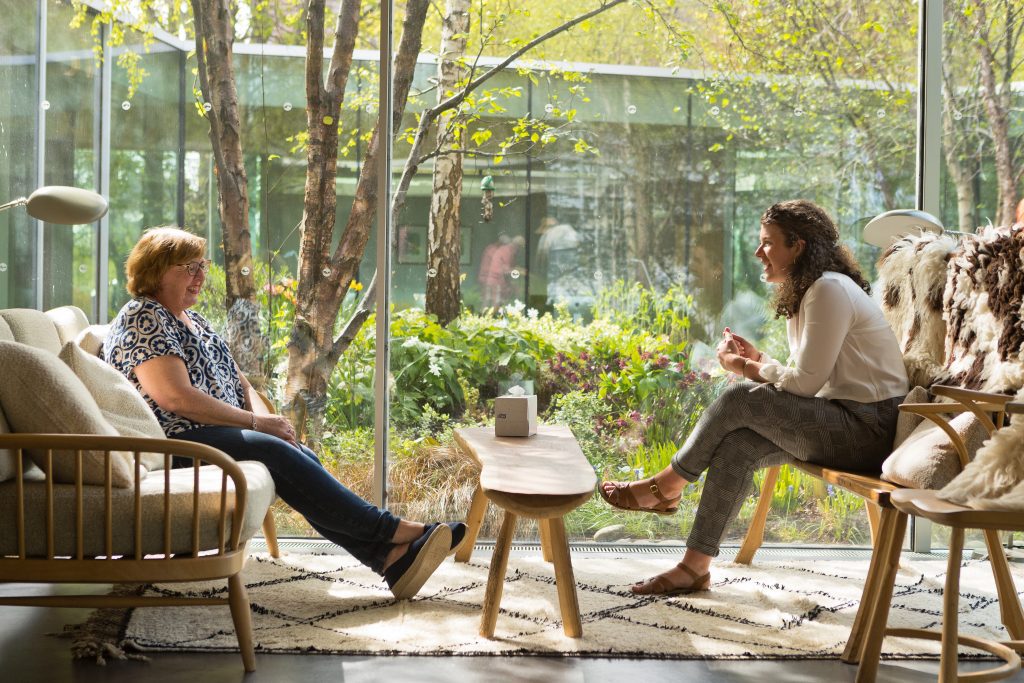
x: 800, y: 219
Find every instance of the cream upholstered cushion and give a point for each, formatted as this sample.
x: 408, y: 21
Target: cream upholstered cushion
x: 120, y: 403
x: 33, y: 328
x: 259, y: 485
x: 5, y: 331
x: 39, y: 393
x: 68, y: 321
x: 907, y: 422
x: 927, y: 458
x: 91, y: 339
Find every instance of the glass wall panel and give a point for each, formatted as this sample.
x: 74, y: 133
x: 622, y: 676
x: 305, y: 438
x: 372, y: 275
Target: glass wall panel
x: 145, y: 121
x: 982, y: 129
x: 19, y: 106
x: 609, y: 213
x: 72, y: 133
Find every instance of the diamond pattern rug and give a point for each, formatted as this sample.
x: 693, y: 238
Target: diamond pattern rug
x: 771, y: 610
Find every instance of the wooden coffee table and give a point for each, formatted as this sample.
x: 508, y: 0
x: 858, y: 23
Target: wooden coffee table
x: 540, y: 477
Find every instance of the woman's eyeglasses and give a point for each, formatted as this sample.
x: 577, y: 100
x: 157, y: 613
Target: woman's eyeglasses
x: 194, y: 267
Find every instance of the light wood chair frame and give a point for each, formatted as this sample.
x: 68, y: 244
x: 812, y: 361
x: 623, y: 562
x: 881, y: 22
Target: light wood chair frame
x: 888, y: 524
x: 224, y: 561
x: 926, y: 504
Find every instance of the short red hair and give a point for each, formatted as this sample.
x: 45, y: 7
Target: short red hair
x: 156, y: 251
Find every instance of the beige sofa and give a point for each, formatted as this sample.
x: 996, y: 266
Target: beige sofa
x: 87, y: 494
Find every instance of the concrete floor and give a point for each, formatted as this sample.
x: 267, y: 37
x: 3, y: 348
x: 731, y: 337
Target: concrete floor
x: 28, y: 653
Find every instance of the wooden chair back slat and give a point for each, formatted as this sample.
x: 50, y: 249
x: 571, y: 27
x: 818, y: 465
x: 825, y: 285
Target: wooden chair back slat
x: 222, y: 517
x: 195, y: 507
x: 20, y: 497
x: 138, y: 505
x: 167, y: 505
x: 49, y: 504
x: 108, y: 499
x: 79, y: 508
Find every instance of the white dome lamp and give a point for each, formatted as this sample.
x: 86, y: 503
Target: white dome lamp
x: 886, y: 228
x: 62, y: 204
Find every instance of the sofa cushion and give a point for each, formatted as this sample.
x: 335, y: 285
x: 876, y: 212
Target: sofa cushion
x: 927, y: 458
x: 5, y: 331
x: 259, y: 485
x: 91, y: 339
x: 120, y: 403
x: 68, y: 321
x: 32, y: 327
x: 40, y: 393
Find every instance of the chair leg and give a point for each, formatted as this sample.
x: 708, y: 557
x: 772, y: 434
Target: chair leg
x: 474, y: 520
x: 270, y: 533
x: 755, y: 533
x: 238, y: 600
x: 886, y: 525
x: 874, y: 521
x: 951, y: 607
x: 1009, y: 604
x: 879, y: 614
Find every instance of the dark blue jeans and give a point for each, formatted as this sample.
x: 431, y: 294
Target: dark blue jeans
x: 339, y: 515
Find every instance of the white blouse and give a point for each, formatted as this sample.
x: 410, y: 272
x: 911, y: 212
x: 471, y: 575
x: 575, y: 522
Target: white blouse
x: 841, y: 347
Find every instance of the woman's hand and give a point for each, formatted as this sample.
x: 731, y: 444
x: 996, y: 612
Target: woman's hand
x: 744, y: 347
x: 276, y: 425
x: 729, y: 357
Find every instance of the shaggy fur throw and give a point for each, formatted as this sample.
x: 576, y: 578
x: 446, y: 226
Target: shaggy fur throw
x: 911, y: 279
x: 982, y: 305
x: 994, y: 480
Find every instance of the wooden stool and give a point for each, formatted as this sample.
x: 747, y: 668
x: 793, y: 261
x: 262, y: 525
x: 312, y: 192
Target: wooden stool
x: 542, y: 477
x: 926, y: 504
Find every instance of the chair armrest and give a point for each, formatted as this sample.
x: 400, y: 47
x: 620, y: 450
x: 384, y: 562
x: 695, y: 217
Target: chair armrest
x: 77, y: 445
x: 958, y: 394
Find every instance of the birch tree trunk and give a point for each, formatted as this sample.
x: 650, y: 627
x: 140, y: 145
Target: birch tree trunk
x: 214, y: 29
x: 443, y: 295
x: 996, y: 96
x: 324, y: 277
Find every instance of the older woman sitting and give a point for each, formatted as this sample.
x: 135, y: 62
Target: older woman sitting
x: 186, y: 373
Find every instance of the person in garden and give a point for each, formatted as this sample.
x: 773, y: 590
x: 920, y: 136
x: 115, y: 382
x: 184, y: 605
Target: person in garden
x: 835, y: 402
x: 186, y: 373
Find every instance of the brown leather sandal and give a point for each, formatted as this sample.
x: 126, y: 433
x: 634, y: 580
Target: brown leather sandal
x: 622, y: 498
x: 660, y: 585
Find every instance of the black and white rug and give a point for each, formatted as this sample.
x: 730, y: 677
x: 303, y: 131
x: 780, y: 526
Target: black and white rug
x: 772, y: 610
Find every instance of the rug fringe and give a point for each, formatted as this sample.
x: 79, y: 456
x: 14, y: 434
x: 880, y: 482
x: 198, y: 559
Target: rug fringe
x: 101, y: 636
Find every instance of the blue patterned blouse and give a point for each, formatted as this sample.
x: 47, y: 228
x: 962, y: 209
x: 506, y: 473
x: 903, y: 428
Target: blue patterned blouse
x: 145, y: 329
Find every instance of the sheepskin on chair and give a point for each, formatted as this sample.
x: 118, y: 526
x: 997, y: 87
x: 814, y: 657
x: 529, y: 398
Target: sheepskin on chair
x: 982, y: 307
x: 994, y: 480
x: 911, y: 279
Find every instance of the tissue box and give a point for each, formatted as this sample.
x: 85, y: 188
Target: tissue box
x: 515, y: 415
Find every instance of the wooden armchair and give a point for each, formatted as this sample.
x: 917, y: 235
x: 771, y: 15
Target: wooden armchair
x: 172, y: 525
x: 888, y: 523
x: 927, y: 504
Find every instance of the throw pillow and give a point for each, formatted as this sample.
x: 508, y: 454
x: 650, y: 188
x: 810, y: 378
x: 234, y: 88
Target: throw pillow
x: 120, y: 403
x: 907, y: 422
x: 927, y: 458
x: 41, y: 394
x: 91, y: 339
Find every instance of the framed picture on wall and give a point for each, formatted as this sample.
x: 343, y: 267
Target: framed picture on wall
x: 411, y: 241
x: 412, y: 244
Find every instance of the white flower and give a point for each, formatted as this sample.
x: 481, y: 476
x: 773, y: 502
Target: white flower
x: 435, y: 369
x: 531, y: 313
x: 410, y: 341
